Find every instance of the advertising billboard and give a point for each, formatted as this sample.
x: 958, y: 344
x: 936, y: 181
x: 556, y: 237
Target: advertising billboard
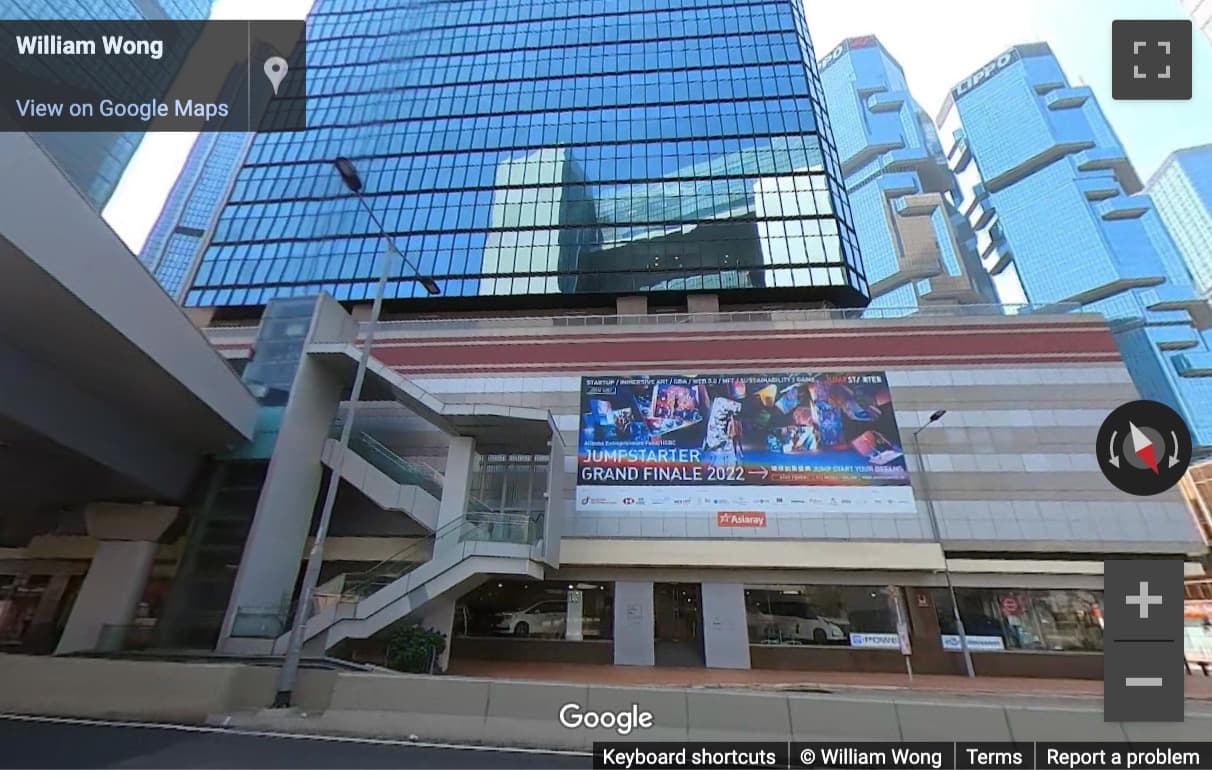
x: 741, y: 444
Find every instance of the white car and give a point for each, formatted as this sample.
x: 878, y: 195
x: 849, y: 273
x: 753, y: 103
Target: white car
x: 545, y: 618
x: 793, y: 623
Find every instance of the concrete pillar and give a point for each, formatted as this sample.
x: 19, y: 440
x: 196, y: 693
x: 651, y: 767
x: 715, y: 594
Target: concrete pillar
x: 456, y: 490
x: 926, y: 637
x: 631, y: 305
x: 117, y: 576
x: 725, y: 630
x: 273, y: 552
x: 703, y: 303
x: 48, y: 603
x: 200, y: 316
x: 39, y: 636
x: 634, y: 643
x: 438, y: 614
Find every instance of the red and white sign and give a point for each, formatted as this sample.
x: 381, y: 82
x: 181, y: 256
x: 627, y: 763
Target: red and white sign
x: 741, y: 519
x: 1011, y: 605
x: 1197, y: 608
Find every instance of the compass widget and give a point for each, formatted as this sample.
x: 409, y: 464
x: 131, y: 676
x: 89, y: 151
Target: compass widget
x: 1144, y: 448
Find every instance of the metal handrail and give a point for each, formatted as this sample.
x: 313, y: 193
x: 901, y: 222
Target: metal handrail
x: 416, y: 473
x: 807, y: 315
x: 782, y: 314
x: 803, y: 314
x: 405, y: 471
x: 396, y: 467
x: 355, y: 582
x: 358, y: 585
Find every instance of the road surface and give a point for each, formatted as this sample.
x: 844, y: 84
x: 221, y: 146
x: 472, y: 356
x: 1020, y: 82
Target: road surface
x: 37, y: 743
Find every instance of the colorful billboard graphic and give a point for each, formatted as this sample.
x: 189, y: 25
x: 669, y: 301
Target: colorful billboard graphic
x: 741, y: 442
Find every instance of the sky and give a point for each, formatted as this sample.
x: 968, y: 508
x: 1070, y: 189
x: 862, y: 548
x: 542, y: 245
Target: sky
x: 941, y: 42
x: 938, y: 42
x: 133, y: 208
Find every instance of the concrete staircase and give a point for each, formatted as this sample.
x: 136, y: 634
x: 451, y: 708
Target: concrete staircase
x: 466, y: 552
x: 388, y: 480
x: 478, y: 542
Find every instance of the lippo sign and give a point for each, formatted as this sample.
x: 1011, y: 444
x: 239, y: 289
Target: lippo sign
x: 782, y: 444
x: 741, y: 519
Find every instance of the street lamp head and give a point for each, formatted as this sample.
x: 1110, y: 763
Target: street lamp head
x: 933, y: 418
x: 349, y: 174
x: 431, y: 286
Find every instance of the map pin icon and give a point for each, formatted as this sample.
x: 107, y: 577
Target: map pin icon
x: 275, y: 70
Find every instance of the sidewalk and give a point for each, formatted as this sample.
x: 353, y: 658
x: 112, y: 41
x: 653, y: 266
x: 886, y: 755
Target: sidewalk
x: 1199, y: 687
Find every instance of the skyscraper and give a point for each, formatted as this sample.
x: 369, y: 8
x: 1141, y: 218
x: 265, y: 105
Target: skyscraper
x: 916, y: 247
x: 175, y: 243
x: 94, y: 162
x: 538, y: 153
x: 1052, y: 195
x: 178, y: 237
x: 1182, y: 190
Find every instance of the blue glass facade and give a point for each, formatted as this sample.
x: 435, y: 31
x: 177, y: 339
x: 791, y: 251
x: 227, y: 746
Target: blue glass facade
x: 542, y: 151
x: 1050, y: 191
x: 176, y: 241
x: 94, y: 162
x: 1182, y: 190
x: 916, y: 246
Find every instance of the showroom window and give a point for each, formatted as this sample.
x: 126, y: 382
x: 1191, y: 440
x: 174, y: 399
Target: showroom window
x: 537, y: 610
x: 1012, y: 619
x: 19, y: 599
x: 854, y: 616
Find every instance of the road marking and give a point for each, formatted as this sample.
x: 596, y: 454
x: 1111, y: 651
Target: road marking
x: 289, y: 736
x: 1143, y: 681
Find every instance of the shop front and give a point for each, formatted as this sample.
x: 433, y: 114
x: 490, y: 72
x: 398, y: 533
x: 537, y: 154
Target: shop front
x: 33, y: 610
x: 548, y: 621
x: 791, y: 626
x: 823, y: 627
x: 1025, y: 632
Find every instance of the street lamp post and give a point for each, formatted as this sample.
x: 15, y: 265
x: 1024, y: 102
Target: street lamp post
x: 315, y: 558
x: 938, y: 538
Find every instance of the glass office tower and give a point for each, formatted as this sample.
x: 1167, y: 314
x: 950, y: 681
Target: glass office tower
x: 94, y: 162
x: 524, y: 152
x: 177, y: 239
x: 1051, y: 193
x: 917, y: 248
x: 1182, y: 190
x: 175, y: 243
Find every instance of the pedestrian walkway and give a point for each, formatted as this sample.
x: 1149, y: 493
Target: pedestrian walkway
x: 1199, y: 687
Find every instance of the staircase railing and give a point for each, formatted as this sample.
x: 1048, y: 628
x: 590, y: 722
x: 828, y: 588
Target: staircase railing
x: 400, y: 470
x: 393, y: 465
x: 476, y: 526
x: 358, y: 585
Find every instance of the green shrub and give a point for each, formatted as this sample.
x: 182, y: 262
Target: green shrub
x: 414, y: 649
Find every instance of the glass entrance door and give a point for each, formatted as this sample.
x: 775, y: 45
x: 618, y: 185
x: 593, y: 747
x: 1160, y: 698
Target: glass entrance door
x: 678, y: 625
